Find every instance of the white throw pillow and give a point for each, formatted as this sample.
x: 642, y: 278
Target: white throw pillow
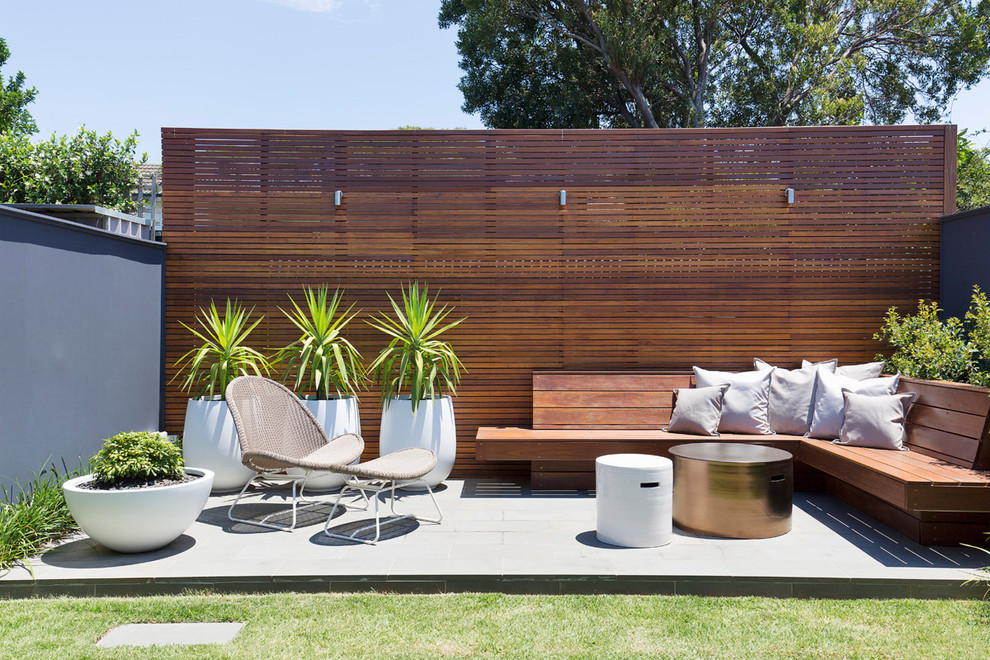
x: 861, y: 371
x: 875, y: 421
x: 826, y: 421
x: 697, y: 410
x: 805, y: 364
x: 792, y: 393
x: 857, y: 371
x: 745, y: 407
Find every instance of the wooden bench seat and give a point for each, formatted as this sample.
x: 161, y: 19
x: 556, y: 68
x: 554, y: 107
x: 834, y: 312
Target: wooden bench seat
x: 565, y: 458
x: 938, y: 493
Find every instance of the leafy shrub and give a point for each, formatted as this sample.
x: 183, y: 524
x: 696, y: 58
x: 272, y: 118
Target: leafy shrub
x: 85, y: 168
x: 135, y: 457
x: 978, y: 327
x: 925, y: 346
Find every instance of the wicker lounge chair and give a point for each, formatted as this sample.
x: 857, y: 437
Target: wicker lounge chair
x: 276, y: 431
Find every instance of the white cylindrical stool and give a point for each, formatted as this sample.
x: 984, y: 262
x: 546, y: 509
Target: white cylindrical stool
x: 633, y: 495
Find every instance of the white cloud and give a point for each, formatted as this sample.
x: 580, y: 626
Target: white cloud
x: 315, y: 6
x: 346, y: 11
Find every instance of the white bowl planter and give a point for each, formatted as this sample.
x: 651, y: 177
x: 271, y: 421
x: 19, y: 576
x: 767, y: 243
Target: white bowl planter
x: 209, y: 440
x: 337, y: 415
x: 431, y: 427
x: 138, y: 519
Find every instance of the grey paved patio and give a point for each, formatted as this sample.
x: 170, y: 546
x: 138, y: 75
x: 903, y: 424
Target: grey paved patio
x: 500, y: 536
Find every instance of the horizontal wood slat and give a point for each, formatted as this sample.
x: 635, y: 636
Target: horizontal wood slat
x: 675, y: 247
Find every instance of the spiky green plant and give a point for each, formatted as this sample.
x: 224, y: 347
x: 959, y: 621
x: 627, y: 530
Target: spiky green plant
x: 322, y: 356
x: 223, y: 354
x: 416, y: 359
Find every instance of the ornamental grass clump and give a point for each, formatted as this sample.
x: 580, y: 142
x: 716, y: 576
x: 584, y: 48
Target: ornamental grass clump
x: 926, y: 346
x: 35, y: 515
x: 137, y: 458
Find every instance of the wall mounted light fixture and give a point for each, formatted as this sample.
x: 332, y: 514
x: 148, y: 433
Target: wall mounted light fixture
x: 337, y: 195
x: 789, y: 192
x: 563, y: 198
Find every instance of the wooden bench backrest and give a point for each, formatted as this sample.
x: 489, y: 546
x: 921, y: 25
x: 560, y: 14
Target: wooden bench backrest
x: 948, y: 420
x: 605, y: 399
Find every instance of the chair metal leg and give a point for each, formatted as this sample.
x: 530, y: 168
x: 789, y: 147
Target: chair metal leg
x: 437, y: 520
x: 377, y: 487
x: 298, y: 504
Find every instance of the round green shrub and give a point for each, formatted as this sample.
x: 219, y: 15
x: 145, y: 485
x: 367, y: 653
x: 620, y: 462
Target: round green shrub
x: 135, y: 457
x: 926, y: 346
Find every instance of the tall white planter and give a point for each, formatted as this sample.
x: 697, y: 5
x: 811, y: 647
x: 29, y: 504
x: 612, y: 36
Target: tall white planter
x: 431, y: 427
x: 138, y: 519
x: 209, y: 440
x: 337, y: 415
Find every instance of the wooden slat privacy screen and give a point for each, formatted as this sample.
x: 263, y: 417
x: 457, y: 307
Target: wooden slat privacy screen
x: 674, y: 248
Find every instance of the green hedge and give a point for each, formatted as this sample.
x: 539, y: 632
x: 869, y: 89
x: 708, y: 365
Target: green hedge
x: 84, y: 168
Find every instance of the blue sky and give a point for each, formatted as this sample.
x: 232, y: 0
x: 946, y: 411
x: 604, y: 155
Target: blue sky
x: 328, y: 64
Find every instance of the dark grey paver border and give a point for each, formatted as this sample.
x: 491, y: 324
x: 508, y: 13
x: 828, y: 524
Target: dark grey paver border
x: 774, y: 587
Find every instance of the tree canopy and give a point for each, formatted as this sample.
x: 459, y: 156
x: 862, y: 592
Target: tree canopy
x: 14, y: 98
x: 669, y: 63
x: 973, y: 174
x: 84, y: 168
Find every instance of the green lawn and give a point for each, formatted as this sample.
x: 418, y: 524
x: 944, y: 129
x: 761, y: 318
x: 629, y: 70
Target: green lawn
x: 493, y: 625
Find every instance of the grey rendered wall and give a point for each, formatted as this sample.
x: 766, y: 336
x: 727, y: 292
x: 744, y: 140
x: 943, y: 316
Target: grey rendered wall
x: 965, y: 258
x: 80, y: 340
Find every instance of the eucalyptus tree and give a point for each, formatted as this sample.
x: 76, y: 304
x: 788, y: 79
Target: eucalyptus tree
x: 14, y: 98
x: 654, y: 63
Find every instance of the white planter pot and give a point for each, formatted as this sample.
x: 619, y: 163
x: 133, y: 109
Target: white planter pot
x: 138, y: 519
x: 431, y: 427
x: 337, y: 416
x: 209, y: 440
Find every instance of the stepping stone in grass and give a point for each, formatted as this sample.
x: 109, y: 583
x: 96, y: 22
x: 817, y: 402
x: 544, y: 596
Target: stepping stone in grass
x: 150, y: 634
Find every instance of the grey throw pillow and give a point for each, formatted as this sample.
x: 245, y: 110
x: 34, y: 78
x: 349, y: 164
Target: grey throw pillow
x: 861, y: 371
x: 745, y: 408
x: 805, y: 364
x: 792, y: 393
x: 874, y: 421
x: 697, y: 410
x: 857, y: 371
x: 826, y: 420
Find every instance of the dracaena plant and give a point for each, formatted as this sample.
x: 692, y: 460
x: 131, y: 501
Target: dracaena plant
x: 322, y: 357
x: 224, y: 354
x: 416, y: 360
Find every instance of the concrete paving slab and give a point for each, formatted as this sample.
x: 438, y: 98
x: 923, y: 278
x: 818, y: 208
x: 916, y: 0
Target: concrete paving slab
x: 502, y: 536
x: 164, y: 634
